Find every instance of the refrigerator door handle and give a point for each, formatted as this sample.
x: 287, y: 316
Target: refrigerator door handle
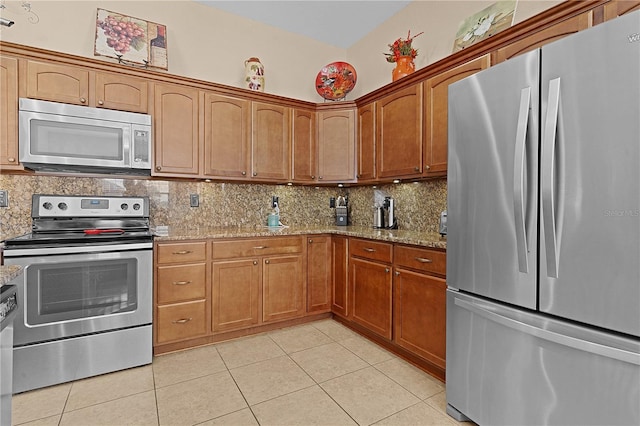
x: 519, y: 180
x: 547, y: 178
x: 551, y: 336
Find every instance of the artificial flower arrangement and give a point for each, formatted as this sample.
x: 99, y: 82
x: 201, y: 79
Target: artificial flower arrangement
x: 402, y: 47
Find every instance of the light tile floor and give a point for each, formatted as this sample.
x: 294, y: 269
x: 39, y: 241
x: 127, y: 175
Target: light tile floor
x: 320, y: 373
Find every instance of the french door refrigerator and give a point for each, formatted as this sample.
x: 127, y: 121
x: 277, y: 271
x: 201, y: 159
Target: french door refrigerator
x: 543, y: 244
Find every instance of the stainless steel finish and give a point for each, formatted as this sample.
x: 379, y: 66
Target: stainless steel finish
x: 84, y: 206
x: 442, y: 227
x: 390, y: 206
x: 596, y: 178
x: 482, y: 248
x: 8, y: 307
x: 525, y: 369
x: 378, y: 217
x: 22, y: 252
x: 519, y: 181
x: 80, y: 357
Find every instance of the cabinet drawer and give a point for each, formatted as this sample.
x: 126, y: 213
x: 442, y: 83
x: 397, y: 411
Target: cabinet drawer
x: 372, y: 250
x: 421, y: 259
x: 181, y: 321
x: 257, y: 247
x: 181, y: 282
x: 182, y: 252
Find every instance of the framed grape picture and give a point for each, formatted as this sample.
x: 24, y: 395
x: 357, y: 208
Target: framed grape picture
x: 130, y: 40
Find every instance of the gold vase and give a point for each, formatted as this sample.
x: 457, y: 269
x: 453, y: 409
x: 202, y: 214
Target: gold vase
x: 404, y: 66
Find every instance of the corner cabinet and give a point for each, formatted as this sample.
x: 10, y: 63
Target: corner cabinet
x: 304, y: 146
x: 319, y: 273
x: 366, y: 147
x: 176, y: 133
x: 270, y: 142
x: 399, y: 148
x: 436, y: 99
x: 336, y: 146
x: 9, y: 113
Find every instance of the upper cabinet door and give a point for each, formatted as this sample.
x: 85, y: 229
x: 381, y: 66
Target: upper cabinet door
x: 336, y: 146
x: 545, y: 36
x: 436, y: 98
x: 121, y: 92
x: 304, y: 145
x: 616, y: 8
x: 366, y: 142
x: 57, y: 83
x: 176, y: 130
x: 226, y: 136
x: 270, y: 142
x: 8, y: 111
x: 399, y: 134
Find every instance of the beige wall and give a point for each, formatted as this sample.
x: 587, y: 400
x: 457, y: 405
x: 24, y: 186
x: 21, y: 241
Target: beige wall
x: 212, y: 45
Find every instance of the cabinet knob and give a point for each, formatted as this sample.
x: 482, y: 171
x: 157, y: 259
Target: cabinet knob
x: 266, y: 261
x: 255, y: 173
x: 320, y: 177
x: 313, y: 177
x: 427, y: 167
x: 358, y: 175
x: 397, y: 274
x: 100, y: 102
x: 158, y: 168
x: 386, y: 270
x: 83, y: 101
x: 255, y: 262
x: 244, y: 173
x: 310, y: 241
x: 417, y: 169
x: 11, y: 159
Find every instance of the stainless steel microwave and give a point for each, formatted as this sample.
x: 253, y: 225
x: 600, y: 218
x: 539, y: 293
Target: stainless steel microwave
x: 60, y: 137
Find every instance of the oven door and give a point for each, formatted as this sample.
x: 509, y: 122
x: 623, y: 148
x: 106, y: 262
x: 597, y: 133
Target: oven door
x: 75, y: 294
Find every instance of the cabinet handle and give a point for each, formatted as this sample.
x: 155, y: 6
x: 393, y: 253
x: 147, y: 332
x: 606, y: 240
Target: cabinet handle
x: 423, y: 260
x: 83, y: 101
x: 182, y: 321
x: 182, y: 252
x: 182, y: 282
x: 255, y: 262
x: 369, y: 250
x: 386, y: 270
x: 397, y: 274
x: 244, y: 173
x: 11, y: 159
x: 100, y: 102
x: 158, y: 168
x: 260, y: 247
x: 266, y: 261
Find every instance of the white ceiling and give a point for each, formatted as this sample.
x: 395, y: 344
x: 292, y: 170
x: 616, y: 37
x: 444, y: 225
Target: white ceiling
x: 335, y: 22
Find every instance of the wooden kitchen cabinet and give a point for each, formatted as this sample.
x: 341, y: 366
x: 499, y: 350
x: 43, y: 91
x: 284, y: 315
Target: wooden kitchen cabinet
x: 399, y: 142
x: 8, y: 113
x: 270, y: 142
x: 616, y: 8
x: 545, y: 36
x: 319, y: 273
x: 176, y: 135
x: 371, y: 285
x: 340, y: 294
x: 283, y: 287
x: 235, y: 294
x: 83, y: 86
x: 336, y: 146
x: 420, y: 302
x: 366, y: 146
x: 226, y: 136
x: 436, y: 97
x: 304, y: 146
x: 180, y: 291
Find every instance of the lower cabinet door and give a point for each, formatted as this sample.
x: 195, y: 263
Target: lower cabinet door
x: 318, y: 274
x: 235, y: 294
x: 181, y: 321
x: 283, y: 288
x: 420, y: 314
x: 372, y: 295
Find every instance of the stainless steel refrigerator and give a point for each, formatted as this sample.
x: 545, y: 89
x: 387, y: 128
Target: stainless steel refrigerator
x: 543, y: 244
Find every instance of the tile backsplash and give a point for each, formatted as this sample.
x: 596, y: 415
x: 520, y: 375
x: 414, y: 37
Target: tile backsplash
x: 418, y: 205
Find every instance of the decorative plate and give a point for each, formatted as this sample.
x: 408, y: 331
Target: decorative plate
x: 335, y: 80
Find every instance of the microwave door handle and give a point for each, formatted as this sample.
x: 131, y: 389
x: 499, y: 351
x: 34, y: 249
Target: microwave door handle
x: 126, y: 146
x: 551, y: 131
x: 519, y: 180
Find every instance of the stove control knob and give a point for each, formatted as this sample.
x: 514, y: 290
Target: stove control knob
x: 124, y: 206
x: 62, y: 206
x: 136, y: 206
x: 47, y: 206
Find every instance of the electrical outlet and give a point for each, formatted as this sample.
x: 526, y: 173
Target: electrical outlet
x: 332, y: 202
x: 274, y: 202
x: 4, y: 198
x: 194, y: 200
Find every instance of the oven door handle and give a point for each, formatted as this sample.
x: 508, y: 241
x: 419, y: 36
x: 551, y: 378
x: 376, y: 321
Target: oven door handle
x: 78, y: 249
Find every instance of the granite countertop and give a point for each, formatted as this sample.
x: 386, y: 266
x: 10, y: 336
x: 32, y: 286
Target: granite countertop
x: 424, y: 239
x: 8, y: 273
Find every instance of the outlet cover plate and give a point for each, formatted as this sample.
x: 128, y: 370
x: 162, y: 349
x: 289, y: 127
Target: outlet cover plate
x: 194, y: 200
x: 4, y: 198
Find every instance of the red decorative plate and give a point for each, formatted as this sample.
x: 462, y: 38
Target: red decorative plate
x: 335, y: 80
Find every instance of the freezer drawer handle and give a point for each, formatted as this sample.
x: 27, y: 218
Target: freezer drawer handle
x: 519, y: 180
x: 572, y: 342
x: 547, y: 178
